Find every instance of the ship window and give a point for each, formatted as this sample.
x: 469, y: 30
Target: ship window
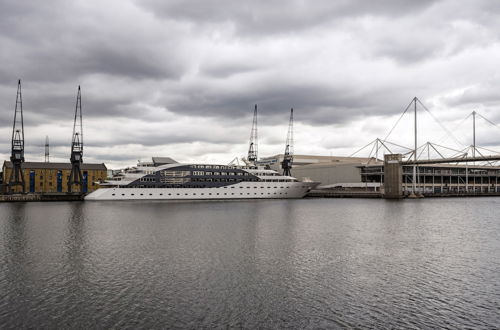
x: 210, y: 194
x: 132, y: 194
x: 225, y: 193
x: 112, y: 194
x: 162, y: 194
x: 217, y: 193
x: 123, y: 194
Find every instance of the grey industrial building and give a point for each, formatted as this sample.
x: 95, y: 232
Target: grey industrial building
x: 367, y: 174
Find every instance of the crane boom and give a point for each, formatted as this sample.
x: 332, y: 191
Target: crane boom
x: 253, y: 147
x: 286, y: 165
x: 76, y: 177
x: 17, y: 147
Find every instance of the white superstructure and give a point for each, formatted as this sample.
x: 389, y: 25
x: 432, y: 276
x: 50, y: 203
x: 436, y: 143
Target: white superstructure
x: 174, y: 181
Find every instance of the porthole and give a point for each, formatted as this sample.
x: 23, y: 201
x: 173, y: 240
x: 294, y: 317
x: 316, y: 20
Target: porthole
x: 112, y: 194
x: 162, y: 194
x: 132, y: 194
x: 123, y: 194
x: 142, y: 194
x: 225, y: 193
x: 150, y: 194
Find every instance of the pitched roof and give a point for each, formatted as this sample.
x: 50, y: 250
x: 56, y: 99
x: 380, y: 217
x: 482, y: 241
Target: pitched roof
x: 57, y: 166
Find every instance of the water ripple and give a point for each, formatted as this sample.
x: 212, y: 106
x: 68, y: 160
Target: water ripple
x: 309, y: 264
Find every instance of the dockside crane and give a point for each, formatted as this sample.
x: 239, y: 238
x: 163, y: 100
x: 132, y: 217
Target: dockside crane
x: 286, y: 165
x: 76, y: 177
x: 253, y: 147
x: 17, y: 148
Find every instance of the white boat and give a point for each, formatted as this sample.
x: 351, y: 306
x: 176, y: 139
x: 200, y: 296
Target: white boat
x: 165, y: 179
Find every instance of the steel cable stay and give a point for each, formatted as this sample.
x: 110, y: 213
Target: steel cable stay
x: 397, y: 122
x: 445, y: 136
x: 439, y: 123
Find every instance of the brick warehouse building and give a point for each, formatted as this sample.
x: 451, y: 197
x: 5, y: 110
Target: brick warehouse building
x: 45, y: 177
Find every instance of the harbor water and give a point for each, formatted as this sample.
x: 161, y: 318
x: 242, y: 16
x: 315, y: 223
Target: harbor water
x: 311, y: 263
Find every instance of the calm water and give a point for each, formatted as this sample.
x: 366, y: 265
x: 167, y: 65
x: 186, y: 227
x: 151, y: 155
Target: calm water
x: 314, y: 263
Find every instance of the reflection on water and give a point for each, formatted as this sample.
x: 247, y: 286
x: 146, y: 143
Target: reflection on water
x: 315, y: 263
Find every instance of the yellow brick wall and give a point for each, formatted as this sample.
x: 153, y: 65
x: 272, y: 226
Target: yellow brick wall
x: 46, y: 179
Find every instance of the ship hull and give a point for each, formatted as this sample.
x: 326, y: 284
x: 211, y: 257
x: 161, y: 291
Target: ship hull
x: 243, y: 190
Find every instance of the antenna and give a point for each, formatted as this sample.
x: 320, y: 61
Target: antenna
x: 286, y: 165
x: 17, y: 147
x: 47, y: 154
x: 253, y: 147
x: 76, y: 177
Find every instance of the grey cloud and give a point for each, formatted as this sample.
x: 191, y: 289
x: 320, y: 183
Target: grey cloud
x: 336, y: 63
x: 268, y: 17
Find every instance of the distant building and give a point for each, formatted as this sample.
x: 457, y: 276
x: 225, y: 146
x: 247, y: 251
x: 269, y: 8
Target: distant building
x: 355, y: 173
x: 325, y: 169
x: 42, y: 177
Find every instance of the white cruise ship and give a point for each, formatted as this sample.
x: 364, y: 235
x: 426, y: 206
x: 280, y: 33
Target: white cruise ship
x: 165, y: 179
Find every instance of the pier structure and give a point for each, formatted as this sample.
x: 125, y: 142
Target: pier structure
x: 392, y: 170
x: 467, y: 171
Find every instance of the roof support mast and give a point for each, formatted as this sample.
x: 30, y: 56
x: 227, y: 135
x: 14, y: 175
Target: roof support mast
x: 17, y: 148
x: 415, y: 151
x: 473, y: 133
x: 286, y: 165
x: 253, y: 147
x: 76, y: 177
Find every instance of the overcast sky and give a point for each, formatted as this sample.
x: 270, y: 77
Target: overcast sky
x: 180, y: 78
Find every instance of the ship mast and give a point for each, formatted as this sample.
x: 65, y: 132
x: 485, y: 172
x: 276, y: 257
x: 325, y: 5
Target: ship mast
x: 76, y: 177
x: 253, y: 147
x: 17, y: 147
x: 286, y: 165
